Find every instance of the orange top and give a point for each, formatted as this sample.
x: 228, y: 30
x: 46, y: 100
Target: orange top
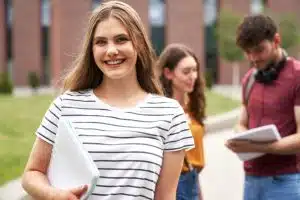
x: 195, y: 156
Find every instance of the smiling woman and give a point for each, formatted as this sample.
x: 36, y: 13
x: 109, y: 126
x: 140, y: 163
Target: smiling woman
x: 113, y: 50
x: 135, y: 136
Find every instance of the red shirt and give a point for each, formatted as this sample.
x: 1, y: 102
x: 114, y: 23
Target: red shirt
x: 274, y: 104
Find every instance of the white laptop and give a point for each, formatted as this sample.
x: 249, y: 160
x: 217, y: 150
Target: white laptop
x: 71, y: 165
x: 266, y: 133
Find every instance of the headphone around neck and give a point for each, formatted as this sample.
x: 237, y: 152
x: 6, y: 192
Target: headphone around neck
x: 271, y: 72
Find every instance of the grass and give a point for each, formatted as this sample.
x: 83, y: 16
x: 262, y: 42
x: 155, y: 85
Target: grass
x: 20, y: 117
x: 217, y: 103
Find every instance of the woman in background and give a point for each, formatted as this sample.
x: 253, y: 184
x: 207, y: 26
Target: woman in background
x: 181, y: 79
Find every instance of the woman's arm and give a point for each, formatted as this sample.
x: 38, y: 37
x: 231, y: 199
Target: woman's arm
x: 35, y: 181
x: 169, y: 175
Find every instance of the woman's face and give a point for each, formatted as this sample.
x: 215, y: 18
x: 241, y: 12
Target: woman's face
x: 113, y: 50
x: 184, y: 75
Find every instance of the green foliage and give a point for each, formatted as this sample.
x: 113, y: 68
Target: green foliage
x: 289, y: 31
x: 33, y: 80
x: 209, y: 78
x: 226, y: 34
x: 6, y: 86
x: 289, y: 28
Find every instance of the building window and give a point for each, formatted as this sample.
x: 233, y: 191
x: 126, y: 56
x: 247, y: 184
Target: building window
x: 257, y: 6
x: 210, y: 12
x: 211, y: 8
x: 95, y: 3
x: 157, y: 23
x: 9, y: 24
x: 45, y: 44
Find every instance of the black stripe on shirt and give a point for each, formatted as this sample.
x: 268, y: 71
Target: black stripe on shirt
x: 128, y: 169
x: 78, y: 95
x: 116, y: 144
x: 179, y: 148
x: 183, y: 122
x: 124, y: 152
x: 177, y: 116
x: 126, y: 186
x: 124, y: 177
x: 48, y: 130
x: 118, y: 125
x: 57, y: 107
x: 86, y: 101
x: 152, y: 115
x: 53, y: 114
x: 189, y: 137
x: 158, y: 102
x: 48, y: 139
x: 85, y: 108
x: 131, y: 161
x: 117, y: 137
x: 178, y: 132
x: 50, y: 121
x: 118, y: 118
x: 122, y: 194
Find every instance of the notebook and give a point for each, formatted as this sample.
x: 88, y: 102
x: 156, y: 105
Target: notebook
x: 70, y: 164
x: 266, y: 133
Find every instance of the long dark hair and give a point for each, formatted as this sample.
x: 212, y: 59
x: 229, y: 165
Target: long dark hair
x: 169, y: 58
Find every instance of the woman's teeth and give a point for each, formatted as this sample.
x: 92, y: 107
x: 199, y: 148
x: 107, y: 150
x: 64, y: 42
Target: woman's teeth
x: 114, y: 62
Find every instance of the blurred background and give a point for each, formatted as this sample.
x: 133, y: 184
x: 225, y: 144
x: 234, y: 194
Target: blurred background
x: 39, y: 38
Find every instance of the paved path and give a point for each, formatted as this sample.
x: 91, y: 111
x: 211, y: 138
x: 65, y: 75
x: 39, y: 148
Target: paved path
x: 12, y: 191
x: 222, y: 178
x: 234, y: 92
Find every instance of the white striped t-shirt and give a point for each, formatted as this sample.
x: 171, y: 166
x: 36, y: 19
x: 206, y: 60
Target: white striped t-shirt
x: 127, y: 145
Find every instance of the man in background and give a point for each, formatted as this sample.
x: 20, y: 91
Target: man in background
x: 271, y: 95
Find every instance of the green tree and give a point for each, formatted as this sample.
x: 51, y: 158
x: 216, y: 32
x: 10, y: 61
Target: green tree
x: 226, y: 34
x: 289, y: 31
x: 33, y: 81
x: 6, y: 85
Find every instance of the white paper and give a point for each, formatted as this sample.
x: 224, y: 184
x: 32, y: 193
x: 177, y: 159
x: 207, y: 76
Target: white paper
x: 266, y: 133
x: 71, y: 165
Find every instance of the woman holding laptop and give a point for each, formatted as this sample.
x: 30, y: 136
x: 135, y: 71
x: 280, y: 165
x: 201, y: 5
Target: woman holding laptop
x: 135, y: 136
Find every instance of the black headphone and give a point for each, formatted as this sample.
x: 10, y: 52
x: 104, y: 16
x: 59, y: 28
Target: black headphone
x: 271, y: 72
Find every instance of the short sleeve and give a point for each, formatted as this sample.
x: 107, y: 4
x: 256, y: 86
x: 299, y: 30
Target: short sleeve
x: 48, y: 127
x: 179, y: 136
x: 245, y: 80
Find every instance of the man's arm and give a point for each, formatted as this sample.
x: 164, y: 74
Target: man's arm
x: 287, y: 145
x: 243, y: 121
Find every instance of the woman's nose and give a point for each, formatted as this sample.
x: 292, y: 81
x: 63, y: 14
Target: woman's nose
x: 112, y: 50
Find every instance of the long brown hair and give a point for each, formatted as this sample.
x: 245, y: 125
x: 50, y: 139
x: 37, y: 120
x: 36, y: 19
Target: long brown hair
x: 169, y: 58
x: 85, y: 74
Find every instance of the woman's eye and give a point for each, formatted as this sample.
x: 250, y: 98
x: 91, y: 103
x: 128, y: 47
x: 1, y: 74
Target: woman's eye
x: 186, y: 72
x: 100, y: 42
x: 121, y: 40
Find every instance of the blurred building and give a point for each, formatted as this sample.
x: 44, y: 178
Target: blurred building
x: 43, y: 36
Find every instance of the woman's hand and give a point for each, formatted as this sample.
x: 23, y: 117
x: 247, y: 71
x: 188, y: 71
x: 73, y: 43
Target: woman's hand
x: 73, y: 194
